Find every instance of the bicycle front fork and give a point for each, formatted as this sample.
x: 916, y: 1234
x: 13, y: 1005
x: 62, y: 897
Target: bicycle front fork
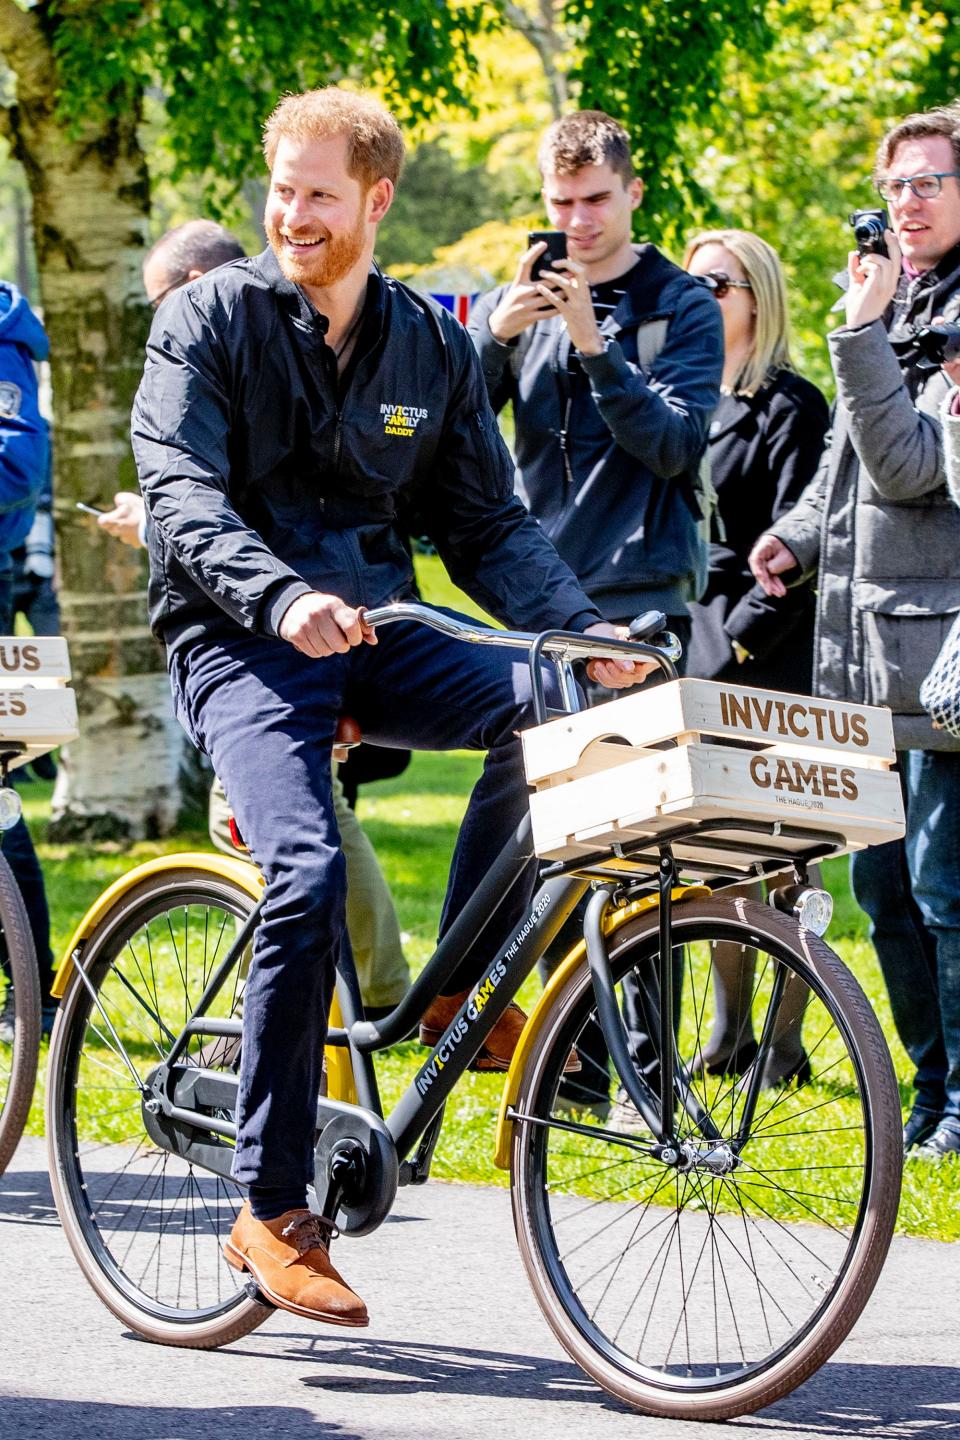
x: 657, y: 1110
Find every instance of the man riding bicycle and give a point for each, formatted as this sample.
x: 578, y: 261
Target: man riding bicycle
x: 290, y: 405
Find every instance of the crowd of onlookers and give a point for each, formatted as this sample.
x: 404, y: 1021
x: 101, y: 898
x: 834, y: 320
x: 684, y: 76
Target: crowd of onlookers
x: 677, y: 461
x: 836, y: 563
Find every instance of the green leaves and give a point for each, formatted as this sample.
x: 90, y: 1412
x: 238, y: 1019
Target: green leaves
x: 657, y: 66
x: 221, y: 66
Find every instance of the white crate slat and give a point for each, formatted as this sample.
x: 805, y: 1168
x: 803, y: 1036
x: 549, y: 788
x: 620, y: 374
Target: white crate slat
x: 42, y: 661
x: 37, y: 711
x: 684, y: 709
x: 38, y: 717
x: 651, y: 791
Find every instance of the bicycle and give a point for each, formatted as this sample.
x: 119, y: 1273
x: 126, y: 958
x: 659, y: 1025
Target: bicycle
x: 700, y: 1264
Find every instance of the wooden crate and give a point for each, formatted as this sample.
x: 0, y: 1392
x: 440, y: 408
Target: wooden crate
x: 697, y: 750
x: 37, y: 710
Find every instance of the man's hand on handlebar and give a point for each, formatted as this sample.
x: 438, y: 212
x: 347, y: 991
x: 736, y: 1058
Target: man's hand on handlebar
x: 320, y: 625
x: 617, y: 674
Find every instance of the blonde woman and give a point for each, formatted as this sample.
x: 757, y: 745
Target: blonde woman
x: 765, y: 442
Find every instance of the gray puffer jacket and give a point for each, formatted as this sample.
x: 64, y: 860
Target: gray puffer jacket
x: 878, y: 522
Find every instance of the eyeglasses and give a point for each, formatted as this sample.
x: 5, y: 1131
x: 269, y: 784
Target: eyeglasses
x: 155, y: 300
x: 720, y: 282
x: 925, y: 187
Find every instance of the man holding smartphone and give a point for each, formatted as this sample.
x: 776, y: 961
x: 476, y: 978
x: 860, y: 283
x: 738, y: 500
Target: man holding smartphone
x: 612, y: 357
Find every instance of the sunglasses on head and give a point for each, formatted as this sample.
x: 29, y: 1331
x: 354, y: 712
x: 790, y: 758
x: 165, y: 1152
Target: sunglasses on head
x: 720, y: 282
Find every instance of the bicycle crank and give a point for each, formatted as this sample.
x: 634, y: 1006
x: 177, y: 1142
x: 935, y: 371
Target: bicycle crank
x: 356, y: 1169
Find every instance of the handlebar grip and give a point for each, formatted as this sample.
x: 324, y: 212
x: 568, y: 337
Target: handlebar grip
x: 649, y: 622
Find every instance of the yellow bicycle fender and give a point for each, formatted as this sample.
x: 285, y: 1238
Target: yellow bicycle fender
x: 228, y: 867
x: 538, y: 1015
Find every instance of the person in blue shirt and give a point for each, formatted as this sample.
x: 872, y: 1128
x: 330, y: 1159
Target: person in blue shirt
x: 24, y: 461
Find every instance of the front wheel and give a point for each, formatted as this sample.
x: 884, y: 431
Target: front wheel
x: 147, y: 1225
x: 712, y: 1287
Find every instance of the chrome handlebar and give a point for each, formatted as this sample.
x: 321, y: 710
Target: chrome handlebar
x: 561, y: 646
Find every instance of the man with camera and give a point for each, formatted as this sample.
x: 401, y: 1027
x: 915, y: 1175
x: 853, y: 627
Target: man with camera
x: 611, y: 356
x: 879, y: 526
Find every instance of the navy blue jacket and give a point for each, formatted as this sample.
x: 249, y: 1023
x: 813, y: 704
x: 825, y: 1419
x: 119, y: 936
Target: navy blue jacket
x: 607, y: 458
x: 264, y: 478
x: 24, y: 442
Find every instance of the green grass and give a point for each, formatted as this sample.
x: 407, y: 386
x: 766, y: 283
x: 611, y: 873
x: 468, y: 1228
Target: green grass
x: 413, y: 822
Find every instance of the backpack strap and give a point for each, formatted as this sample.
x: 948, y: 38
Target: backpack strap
x: 651, y: 338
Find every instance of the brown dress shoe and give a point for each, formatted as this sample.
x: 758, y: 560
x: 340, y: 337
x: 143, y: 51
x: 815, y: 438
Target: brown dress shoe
x: 499, y: 1045
x: 290, y: 1260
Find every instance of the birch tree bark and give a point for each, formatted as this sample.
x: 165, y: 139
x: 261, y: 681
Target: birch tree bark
x: 91, y: 198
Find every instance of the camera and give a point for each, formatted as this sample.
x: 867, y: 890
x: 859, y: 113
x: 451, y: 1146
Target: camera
x: 938, y: 344
x: 868, y: 228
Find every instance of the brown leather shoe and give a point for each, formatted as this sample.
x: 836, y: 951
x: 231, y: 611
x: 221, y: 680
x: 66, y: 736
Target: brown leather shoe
x: 499, y: 1045
x: 290, y: 1260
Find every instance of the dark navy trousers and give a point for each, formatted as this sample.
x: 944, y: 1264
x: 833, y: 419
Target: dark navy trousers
x: 266, y: 715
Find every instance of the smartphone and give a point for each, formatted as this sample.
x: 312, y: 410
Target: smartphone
x: 89, y: 509
x: 556, y: 242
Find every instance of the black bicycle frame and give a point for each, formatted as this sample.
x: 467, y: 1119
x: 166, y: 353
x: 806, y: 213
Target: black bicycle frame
x: 457, y: 1047
x: 463, y: 1039
x: 421, y: 1104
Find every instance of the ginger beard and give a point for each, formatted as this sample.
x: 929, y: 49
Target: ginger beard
x: 336, y: 257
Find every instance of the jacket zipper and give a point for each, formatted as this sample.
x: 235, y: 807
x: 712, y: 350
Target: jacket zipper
x: 559, y: 366
x: 567, y: 468
x: 337, y: 440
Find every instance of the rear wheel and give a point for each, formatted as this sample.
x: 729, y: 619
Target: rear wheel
x: 710, y: 1288
x: 147, y: 1225
x: 19, y: 1014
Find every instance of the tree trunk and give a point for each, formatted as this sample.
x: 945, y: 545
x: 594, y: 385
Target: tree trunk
x: 91, y: 199
x: 543, y: 32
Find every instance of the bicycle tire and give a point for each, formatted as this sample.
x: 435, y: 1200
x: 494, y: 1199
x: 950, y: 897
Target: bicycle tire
x: 18, y: 1061
x: 103, y: 1160
x: 711, y: 1382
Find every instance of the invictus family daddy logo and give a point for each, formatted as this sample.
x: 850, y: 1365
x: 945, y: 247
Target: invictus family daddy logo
x: 402, y: 419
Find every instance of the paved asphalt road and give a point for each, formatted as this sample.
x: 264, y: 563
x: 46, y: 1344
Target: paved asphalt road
x: 455, y: 1349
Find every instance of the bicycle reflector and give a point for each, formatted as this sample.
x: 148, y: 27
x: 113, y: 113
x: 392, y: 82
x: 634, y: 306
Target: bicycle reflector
x: 11, y: 808
x: 813, y: 908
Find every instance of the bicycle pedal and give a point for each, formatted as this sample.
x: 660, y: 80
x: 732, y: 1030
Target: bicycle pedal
x: 253, y: 1292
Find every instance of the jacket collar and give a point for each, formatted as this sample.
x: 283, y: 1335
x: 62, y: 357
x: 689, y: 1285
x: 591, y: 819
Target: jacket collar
x: 922, y: 299
x: 294, y: 301
x: 733, y: 408
x: 646, y: 283
x: 268, y: 268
